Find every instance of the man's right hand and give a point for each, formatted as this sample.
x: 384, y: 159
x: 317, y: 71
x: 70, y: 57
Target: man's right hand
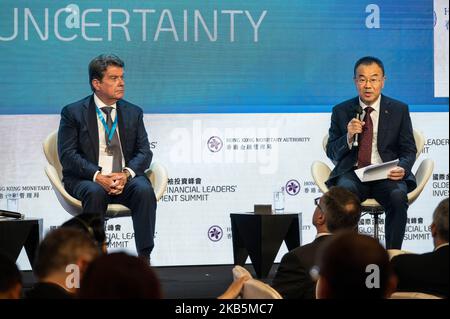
x: 355, y: 126
x: 106, y: 182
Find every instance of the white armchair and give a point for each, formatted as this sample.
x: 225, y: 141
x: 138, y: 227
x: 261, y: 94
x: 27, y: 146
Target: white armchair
x: 396, y: 252
x: 157, y: 174
x: 256, y: 289
x: 239, y: 272
x: 413, y: 295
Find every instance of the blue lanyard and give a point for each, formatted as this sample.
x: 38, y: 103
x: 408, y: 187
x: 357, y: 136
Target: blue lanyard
x: 111, y: 131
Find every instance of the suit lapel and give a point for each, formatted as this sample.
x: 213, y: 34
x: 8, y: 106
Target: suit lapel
x: 352, y: 115
x: 352, y: 110
x: 121, y: 113
x: 90, y: 117
x: 383, y: 121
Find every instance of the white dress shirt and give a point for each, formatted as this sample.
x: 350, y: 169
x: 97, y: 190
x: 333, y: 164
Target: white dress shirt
x: 375, y: 157
x: 105, y: 161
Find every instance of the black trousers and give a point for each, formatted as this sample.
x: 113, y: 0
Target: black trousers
x: 392, y: 195
x: 138, y: 196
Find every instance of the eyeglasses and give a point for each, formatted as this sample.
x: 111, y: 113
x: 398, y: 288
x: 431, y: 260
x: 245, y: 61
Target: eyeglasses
x: 364, y: 81
x: 317, y: 202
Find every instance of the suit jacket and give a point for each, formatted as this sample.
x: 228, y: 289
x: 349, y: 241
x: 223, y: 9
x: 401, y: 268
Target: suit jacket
x: 427, y: 273
x: 292, y: 279
x: 78, y: 140
x: 45, y: 290
x: 395, y: 138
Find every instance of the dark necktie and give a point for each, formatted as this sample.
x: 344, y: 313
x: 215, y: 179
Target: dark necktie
x: 113, y: 146
x: 365, y: 140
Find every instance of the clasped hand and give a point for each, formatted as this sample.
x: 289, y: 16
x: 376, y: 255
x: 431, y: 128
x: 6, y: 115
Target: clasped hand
x: 112, y: 183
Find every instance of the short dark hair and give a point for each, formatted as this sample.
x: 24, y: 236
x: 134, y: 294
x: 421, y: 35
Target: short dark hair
x: 342, y: 209
x: 368, y: 60
x: 344, y: 261
x: 9, y: 273
x: 440, y: 219
x: 61, y: 247
x: 120, y: 276
x: 98, y: 66
x: 91, y: 224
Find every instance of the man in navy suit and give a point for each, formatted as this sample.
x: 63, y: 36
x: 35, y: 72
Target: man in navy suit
x: 104, y: 151
x: 385, y: 134
x: 429, y: 272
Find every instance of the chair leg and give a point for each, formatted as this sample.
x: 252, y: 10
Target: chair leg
x: 375, y: 227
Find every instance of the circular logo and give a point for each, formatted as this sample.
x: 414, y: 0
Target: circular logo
x: 215, y: 144
x: 215, y: 233
x: 293, y: 187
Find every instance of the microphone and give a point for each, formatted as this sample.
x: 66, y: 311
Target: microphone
x: 6, y: 213
x: 359, y: 111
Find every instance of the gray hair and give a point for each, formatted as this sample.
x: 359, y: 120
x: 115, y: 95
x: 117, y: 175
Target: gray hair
x: 440, y: 219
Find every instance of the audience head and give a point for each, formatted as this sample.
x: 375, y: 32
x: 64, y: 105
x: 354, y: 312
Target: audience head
x: 59, y: 249
x: 10, y: 279
x: 338, y: 209
x: 120, y: 276
x: 93, y: 225
x: 439, y: 227
x: 354, y: 266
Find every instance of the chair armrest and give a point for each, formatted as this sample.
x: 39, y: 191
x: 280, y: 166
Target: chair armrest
x: 239, y: 271
x: 395, y: 252
x: 159, y: 177
x: 71, y: 205
x: 320, y: 173
x: 422, y: 176
x: 256, y: 289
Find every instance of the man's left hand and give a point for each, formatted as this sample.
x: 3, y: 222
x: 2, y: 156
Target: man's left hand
x: 397, y: 173
x: 120, y: 179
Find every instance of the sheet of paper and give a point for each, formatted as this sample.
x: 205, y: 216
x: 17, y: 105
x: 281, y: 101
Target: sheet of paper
x: 376, y: 171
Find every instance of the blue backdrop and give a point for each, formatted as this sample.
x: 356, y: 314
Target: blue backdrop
x: 299, y: 58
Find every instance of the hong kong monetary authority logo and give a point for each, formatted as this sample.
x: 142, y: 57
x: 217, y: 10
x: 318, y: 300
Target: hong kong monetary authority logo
x: 215, y: 233
x: 215, y: 144
x: 293, y: 187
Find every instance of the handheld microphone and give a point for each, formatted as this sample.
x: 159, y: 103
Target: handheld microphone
x: 6, y: 213
x: 359, y: 111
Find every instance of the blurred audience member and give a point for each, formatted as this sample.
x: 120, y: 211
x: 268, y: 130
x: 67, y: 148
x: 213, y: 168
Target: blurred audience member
x: 337, y: 209
x: 10, y: 279
x: 120, y: 276
x: 427, y: 273
x: 353, y: 266
x: 61, y: 261
x: 93, y: 225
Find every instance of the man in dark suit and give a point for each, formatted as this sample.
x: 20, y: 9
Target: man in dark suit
x: 338, y: 209
x: 427, y: 273
x: 104, y: 151
x: 385, y: 134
